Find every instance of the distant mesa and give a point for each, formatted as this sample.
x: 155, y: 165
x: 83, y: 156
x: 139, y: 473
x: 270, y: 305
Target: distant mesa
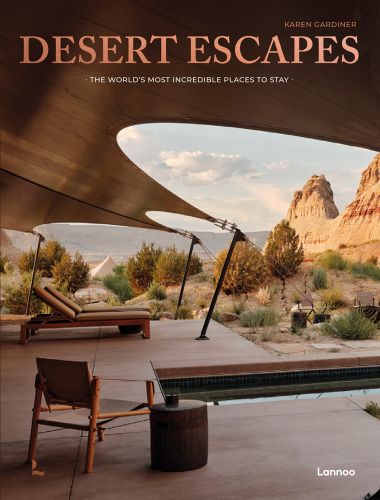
x: 7, y: 247
x: 315, y: 217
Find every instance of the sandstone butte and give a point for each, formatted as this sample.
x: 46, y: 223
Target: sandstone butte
x: 356, y: 231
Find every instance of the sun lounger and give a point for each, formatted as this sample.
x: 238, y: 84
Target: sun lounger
x: 73, y: 401
x: 364, y: 298
x: 365, y: 302
x: 65, y: 317
x: 78, y: 309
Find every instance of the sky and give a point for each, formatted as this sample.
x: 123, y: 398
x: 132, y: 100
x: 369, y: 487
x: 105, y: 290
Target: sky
x: 247, y: 177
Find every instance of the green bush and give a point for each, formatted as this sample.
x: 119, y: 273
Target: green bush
x: 140, y: 268
x: 283, y: 250
x: 263, y: 316
x: 319, y: 279
x: 171, y: 265
x: 50, y: 254
x: 350, y: 326
x: 16, y: 297
x: 69, y: 275
x: 246, y: 271
x: 332, y: 299
x: 365, y: 271
x: 332, y: 260
x: 119, y: 285
x: 156, y: 291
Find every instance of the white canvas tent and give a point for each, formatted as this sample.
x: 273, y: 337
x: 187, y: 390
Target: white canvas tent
x: 104, y: 268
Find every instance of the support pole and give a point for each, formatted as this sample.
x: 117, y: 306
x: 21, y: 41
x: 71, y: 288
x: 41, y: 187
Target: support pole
x: 238, y: 236
x: 194, y: 241
x: 35, y: 265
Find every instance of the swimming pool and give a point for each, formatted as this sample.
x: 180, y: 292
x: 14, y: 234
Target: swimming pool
x: 269, y: 386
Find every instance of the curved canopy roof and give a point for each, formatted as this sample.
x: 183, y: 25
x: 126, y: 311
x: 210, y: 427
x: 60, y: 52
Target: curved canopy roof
x: 60, y: 159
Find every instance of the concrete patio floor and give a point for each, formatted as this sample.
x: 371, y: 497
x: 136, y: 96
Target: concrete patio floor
x: 256, y: 451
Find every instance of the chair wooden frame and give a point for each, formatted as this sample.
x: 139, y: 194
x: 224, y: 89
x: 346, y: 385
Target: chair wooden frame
x: 96, y: 416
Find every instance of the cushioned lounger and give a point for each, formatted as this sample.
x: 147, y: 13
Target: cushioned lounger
x: 65, y: 317
x: 73, y: 305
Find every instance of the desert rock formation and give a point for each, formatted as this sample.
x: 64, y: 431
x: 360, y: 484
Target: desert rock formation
x: 315, y: 217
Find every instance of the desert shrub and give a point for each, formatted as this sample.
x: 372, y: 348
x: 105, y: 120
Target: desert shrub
x: 373, y: 409
x: 372, y: 260
x: 332, y: 260
x: 283, y: 250
x: 113, y: 301
x: 352, y: 325
x: 3, y: 262
x: 196, y: 265
x: 365, y: 271
x: 246, y: 271
x: 9, y: 267
x: 16, y: 296
x: 332, y: 298
x: 238, y: 306
x: 170, y: 266
x: 201, y: 277
x: 267, y: 334
x: 296, y: 297
x: 263, y: 295
x: 51, y: 253
x: 119, y: 269
x: 156, y: 291
x: 140, y: 267
x: 184, y: 312
x: 263, y: 316
x: 25, y: 263
x: 216, y: 315
x: 202, y: 301
x: 69, y: 274
x: 319, y: 279
x: 156, y: 309
x: 119, y: 285
x: 274, y: 289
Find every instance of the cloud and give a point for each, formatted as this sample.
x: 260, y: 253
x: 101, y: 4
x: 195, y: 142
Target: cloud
x: 198, y: 168
x: 277, y: 166
x: 128, y: 135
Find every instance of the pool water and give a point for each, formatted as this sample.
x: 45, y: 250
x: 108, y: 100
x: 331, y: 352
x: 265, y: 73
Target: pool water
x: 291, y: 397
x: 275, y: 386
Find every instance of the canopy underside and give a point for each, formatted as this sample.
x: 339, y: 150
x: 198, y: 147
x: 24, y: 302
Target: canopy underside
x: 60, y: 159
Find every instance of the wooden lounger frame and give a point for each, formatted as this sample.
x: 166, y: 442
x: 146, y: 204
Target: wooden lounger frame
x: 43, y: 322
